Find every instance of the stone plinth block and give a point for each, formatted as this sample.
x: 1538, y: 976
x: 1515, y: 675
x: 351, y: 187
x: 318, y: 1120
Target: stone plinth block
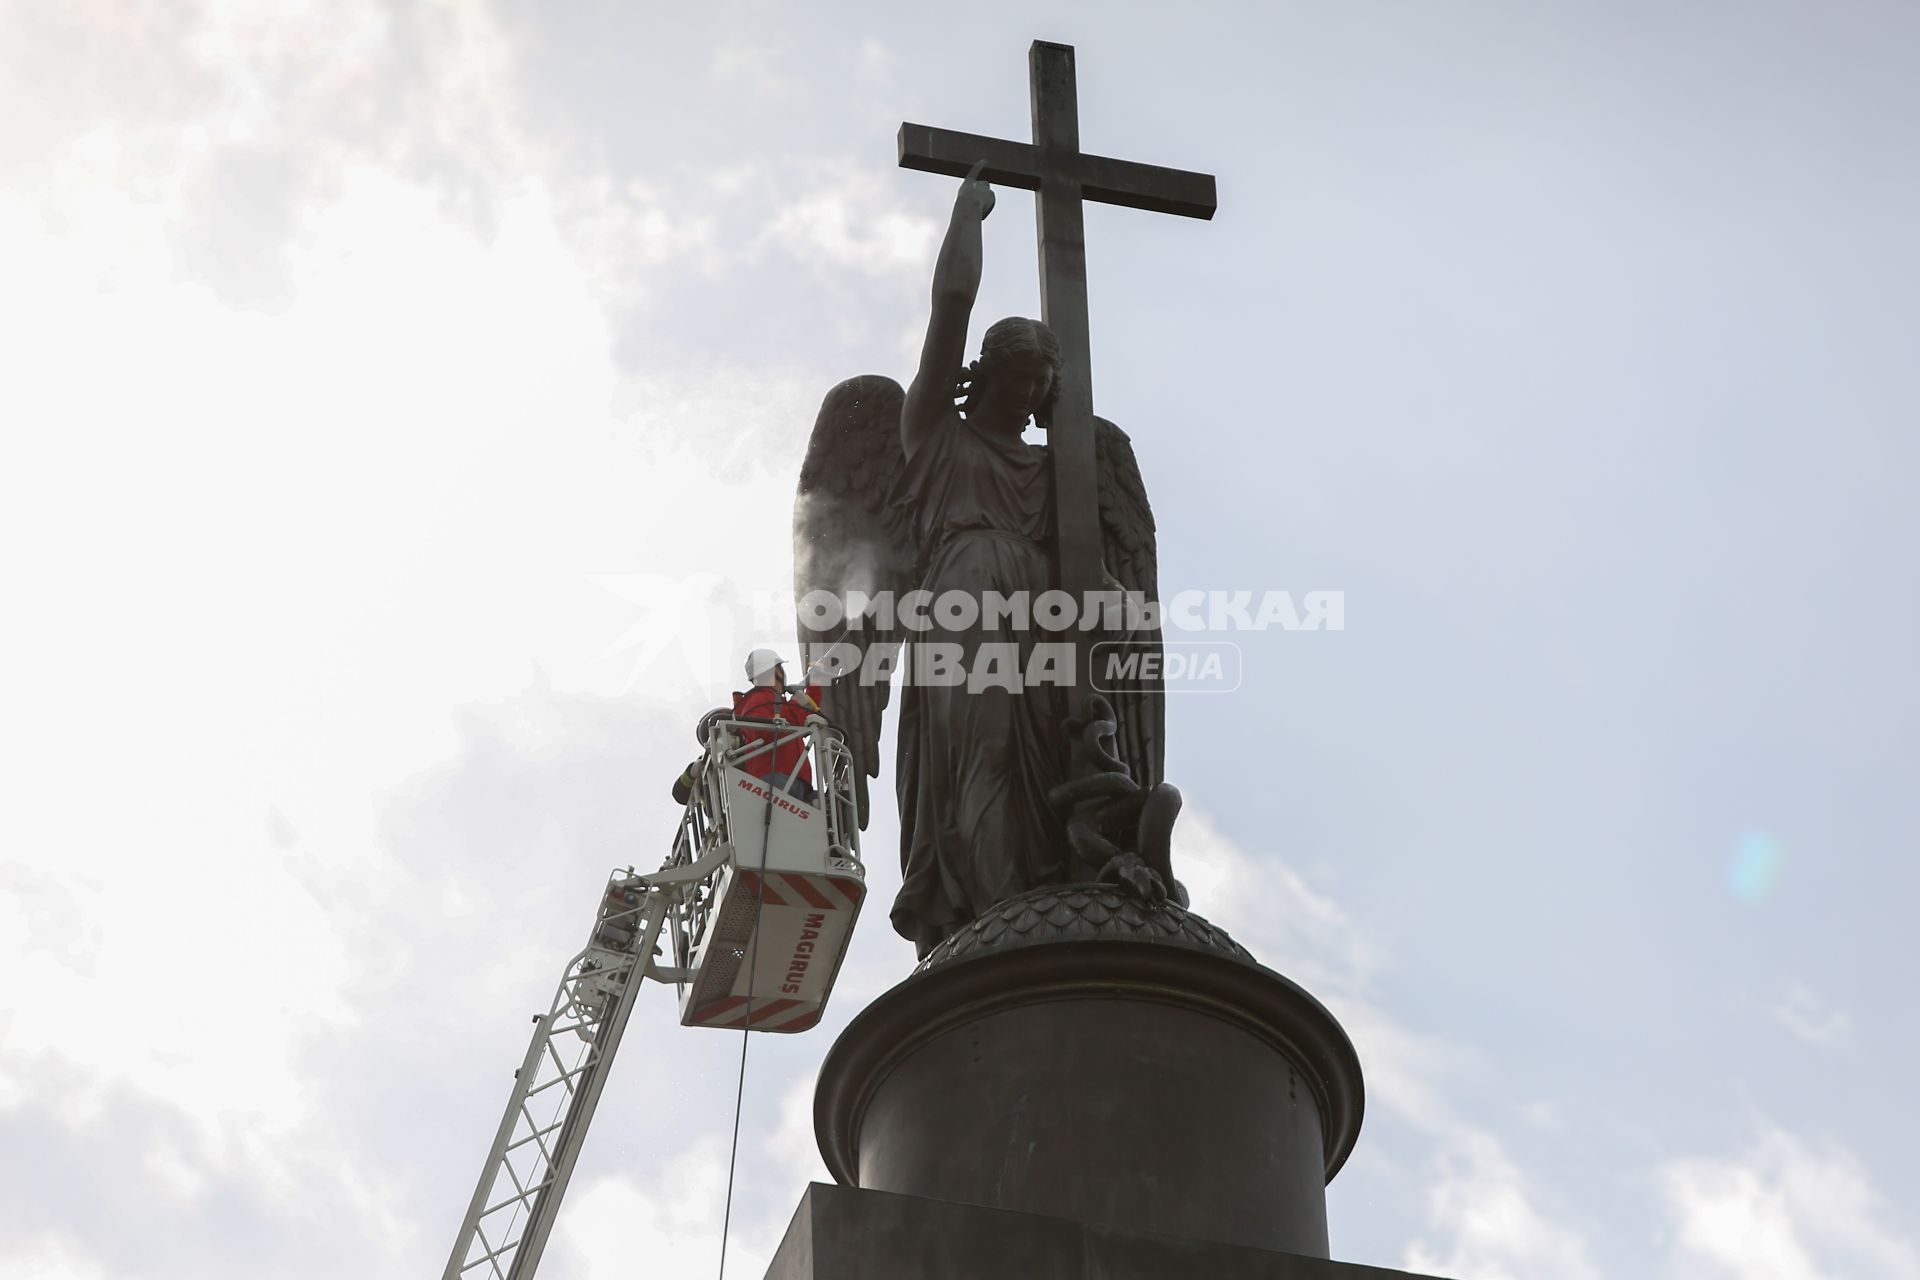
x: 1081, y: 1055
x: 840, y: 1233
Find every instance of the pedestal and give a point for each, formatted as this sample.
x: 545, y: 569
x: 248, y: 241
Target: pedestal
x: 1082, y: 1056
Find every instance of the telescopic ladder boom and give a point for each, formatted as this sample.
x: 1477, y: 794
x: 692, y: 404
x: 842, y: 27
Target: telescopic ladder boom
x: 552, y: 1103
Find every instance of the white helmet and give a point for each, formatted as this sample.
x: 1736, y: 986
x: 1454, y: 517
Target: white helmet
x: 760, y: 665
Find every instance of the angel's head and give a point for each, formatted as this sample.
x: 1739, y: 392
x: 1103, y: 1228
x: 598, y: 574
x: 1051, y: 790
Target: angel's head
x: 1017, y: 376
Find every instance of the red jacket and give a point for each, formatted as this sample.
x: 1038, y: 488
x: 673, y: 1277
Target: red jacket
x: 764, y: 702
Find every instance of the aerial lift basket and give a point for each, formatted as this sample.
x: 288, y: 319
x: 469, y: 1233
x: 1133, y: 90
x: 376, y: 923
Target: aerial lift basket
x: 761, y: 940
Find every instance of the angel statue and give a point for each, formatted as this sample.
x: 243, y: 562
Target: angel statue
x: 934, y: 489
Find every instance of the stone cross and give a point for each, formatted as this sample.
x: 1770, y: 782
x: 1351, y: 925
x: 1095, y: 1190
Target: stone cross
x: 1054, y: 166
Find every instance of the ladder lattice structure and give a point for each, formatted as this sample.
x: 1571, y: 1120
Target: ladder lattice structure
x: 552, y: 1102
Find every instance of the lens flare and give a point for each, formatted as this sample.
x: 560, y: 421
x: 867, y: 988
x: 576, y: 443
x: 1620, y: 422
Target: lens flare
x: 1754, y: 867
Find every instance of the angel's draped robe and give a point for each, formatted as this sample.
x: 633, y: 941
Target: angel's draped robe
x: 977, y: 763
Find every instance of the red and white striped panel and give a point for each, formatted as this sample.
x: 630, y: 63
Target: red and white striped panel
x: 780, y: 1014
x: 793, y: 889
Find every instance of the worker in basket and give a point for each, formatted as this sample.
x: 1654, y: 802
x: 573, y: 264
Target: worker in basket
x: 767, y: 697
x: 785, y: 766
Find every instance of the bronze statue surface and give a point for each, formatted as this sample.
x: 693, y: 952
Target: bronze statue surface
x: 934, y: 489
x: 1027, y: 771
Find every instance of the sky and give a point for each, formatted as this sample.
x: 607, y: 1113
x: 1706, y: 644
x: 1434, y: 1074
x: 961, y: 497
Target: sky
x: 402, y: 406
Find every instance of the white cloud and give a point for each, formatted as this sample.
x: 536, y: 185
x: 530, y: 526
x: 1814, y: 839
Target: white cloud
x: 269, y: 548
x: 52, y: 1258
x: 840, y: 225
x: 792, y: 1140
x: 853, y: 222
x: 1547, y: 1115
x: 668, y: 1218
x: 759, y: 71
x: 1810, y: 1019
x: 1488, y: 1212
x: 629, y: 233
x: 1272, y: 910
x: 1784, y: 1208
x: 1488, y: 1218
x: 665, y: 1220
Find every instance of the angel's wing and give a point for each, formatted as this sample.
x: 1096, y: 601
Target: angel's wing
x: 1127, y: 544
x: 848, y: 538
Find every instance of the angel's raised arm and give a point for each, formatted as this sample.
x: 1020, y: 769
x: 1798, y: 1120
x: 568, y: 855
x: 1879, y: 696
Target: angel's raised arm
x: 956, y: 282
